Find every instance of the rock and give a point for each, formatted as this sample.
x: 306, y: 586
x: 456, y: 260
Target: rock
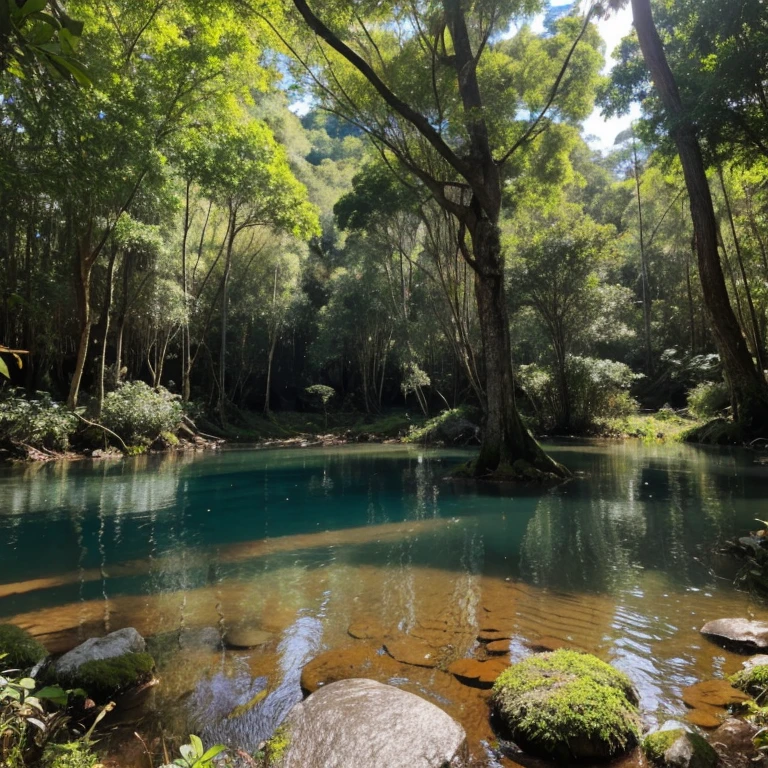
x: 761, y: 660
x: 752, y: 680
x: 733, y: 742
x: 705, y: 718
x: 739, y: 635
x: 246, y: 635
x: 679, y: 749
x: 345, y: 663
x: 478, y: 674
x: 708, y: 701
x: 492, y: 635
x: 110, y: 646
x: 411, y: 651
x: 567, y: 706
x: 365, y: 630
x: 500, y: 647
x: 18, y: 648
x: 363, y: 724
x: 103, y: 679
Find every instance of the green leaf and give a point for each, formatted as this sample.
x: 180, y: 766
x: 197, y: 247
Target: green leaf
x: 32, y: 6
x: 74, y: 69
x: 4, y: 369
x: 28, y: 683
x: 68, y: 41
x: 213, y: 752
x: 197, y: 744
x: 53, y: 694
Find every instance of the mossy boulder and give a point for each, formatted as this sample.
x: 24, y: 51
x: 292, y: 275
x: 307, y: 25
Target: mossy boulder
x: 566, y: 706
x: 103, y: 679
x: 18, y: 648
x: 752, y: 680
x: 679, y: 748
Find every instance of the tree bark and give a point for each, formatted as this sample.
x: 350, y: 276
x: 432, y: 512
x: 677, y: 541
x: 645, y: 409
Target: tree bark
x: 749, y: 389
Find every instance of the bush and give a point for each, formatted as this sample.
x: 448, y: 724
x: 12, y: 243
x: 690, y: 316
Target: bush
x: 41, y: 423
x: 18, y: 649
x: 708, y: 399
x: 452, y: 427
x: 597, y: 391
x: 140, y: 414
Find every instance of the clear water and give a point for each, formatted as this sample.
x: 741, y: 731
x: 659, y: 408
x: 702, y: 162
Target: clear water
x: 305, y: 542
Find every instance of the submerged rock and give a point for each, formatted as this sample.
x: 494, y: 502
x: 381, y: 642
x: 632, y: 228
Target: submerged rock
x: 18, y: 648
x: 739, y: 635
x: 110, y: 646
x: 567, y: 706
x: 346, y: 663
x: 478, y: 674
x: 366, y: 724
x: 679, y: 748
x: 411, y: 651
x: 246, y: 635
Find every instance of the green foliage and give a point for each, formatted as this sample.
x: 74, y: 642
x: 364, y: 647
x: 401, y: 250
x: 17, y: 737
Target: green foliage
x: 73, y: 754
x: 40, y: 423
x: 194, y: 754
x: 753, y: 681
x: 140, y: 414
x: 708, y: 399
x: 655, y: 746
x: 556, y: 703
x: 18, y: 649
x: 451, y: 427
x: 276, y: 745
x: 597, y: 389
x: 104, y: 678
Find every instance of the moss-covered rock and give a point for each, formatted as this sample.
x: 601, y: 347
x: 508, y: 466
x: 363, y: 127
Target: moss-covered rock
x: 104, y: 678
x: 18, y: 648
x: 679, y: 748
x: 567, y: 705
x: 753, y: 680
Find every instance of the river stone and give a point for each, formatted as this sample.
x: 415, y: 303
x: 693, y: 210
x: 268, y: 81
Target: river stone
x: 761, y: 660
x: 478, y: 674
x: 110, y: 646
x: 411, y: 651
x: 246, y: 636
x: 499, y: 647
x: 738, y: 635
x: 733, y: 742
x: 346, y: 663
x: 679, y: 749
x: 363, y: 724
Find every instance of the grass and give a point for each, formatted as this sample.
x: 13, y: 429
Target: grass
x: 661, y: 427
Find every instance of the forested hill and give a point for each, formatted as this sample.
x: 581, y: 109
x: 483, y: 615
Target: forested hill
x: 190, y: 214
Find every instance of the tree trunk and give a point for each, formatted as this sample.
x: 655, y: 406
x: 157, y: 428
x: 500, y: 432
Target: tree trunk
x: 224, y: 312
x: 643, y: 266
x: 83, y: 290
x: 105, y: 333
x: 748, y: 386
x: 505, y: 441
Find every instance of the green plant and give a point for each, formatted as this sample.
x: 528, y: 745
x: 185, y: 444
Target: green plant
x: 73, y: 754
x: 708, y: 399
x: 104, y: 678
x: 18, y: 648
x: 40, y: 423
x: 753, y: 681
x: 324, y: 394
x: 194, y: 754
x: 140, y: 414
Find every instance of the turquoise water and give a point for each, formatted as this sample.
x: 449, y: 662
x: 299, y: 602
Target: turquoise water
x: 306, y: 542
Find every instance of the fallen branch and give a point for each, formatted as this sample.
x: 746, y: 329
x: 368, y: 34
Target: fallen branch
x: 106, y: 429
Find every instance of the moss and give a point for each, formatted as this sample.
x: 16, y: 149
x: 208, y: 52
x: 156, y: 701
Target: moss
x: 277, y: 745
x: 19, y: 649
x: 753, y: 681
x: 567, y: 705
x: 656, y: 745
x: 105, y: 678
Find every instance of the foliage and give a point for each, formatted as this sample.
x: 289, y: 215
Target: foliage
x: 554, y: 702
x: 39, y: 423
x: 451, y: 427
x: 708, y: 399
x: 73, y: 754
x: 140, y: 414
x: 655, y: 746
x: 104, y: 678
x: 194, y: 754
x: 18, y: 649
x: 598, y: 391
x: 753, y: 681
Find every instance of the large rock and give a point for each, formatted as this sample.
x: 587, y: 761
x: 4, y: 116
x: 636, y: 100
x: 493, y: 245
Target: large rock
x: 679, y: 749
x: 364, y: 724
x: 110, y: 646
x: 739, y: 635
x: 567, y: 706
x: 733, y: 742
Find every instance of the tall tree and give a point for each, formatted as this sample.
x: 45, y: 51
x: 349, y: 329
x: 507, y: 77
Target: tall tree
x: 448, y: 130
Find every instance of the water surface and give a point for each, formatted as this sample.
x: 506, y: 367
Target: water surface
x: 303, y: 543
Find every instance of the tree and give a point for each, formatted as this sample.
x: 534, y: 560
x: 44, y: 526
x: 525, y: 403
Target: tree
x: 748, y: 386
x: 447, y: 130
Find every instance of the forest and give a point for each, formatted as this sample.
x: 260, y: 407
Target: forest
x: 360, y: 406
x: 213, y: 203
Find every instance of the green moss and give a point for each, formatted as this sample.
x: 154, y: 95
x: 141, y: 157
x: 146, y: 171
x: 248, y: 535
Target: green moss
x: 753, y: 681
x: 105, y: 678
x: 566, y: 705
x: 277, y: 745
x: 19, y: 649
x: 656, y: 745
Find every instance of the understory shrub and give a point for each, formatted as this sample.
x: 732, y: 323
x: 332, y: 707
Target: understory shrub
x: 596, y: 390
x: 18, y: 649
x: 140, y: 414
x: 41, y: 422
x: 708, y: 399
